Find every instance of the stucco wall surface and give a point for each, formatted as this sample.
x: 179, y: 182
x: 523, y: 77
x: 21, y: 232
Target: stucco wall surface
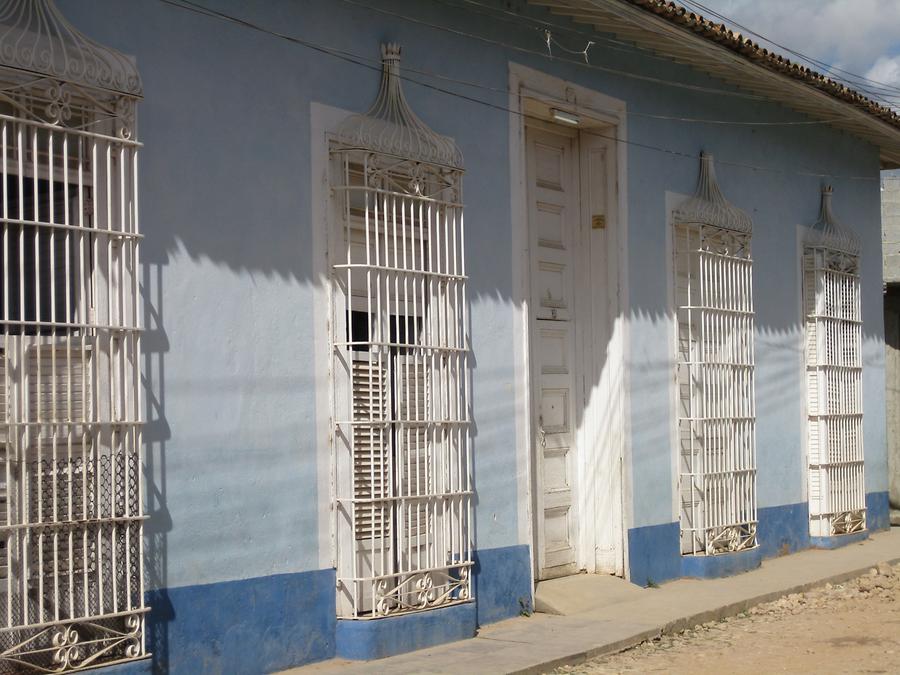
x: 233, y: 482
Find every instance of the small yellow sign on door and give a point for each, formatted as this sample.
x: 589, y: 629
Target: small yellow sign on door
x: 598, y: 221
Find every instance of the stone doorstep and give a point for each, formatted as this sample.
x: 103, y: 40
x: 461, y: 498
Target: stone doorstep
x: 581, y: 593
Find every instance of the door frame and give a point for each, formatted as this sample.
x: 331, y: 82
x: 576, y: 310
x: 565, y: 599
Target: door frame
x: 527, y: 83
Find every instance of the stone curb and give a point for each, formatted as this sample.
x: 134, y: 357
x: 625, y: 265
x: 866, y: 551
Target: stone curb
x: 691, y: 621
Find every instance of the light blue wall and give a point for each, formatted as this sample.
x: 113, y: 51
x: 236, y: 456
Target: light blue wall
x: 225, y: 180
x: 778, y: 201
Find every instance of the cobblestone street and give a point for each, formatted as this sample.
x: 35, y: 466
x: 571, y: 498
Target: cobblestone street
x: 849, y: 628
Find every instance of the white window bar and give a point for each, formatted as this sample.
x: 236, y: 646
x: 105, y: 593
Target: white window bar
x: 715, y: 372
x: 831, y: 290
x: 400, y: 363
x: 71, y: 570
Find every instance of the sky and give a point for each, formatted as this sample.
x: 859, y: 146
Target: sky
x: 855, y: 40
x: 858, y: 36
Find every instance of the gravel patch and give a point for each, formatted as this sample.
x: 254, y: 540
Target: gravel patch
x: 852, y: 627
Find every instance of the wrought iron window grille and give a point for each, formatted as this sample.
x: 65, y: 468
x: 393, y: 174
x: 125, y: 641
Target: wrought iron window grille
x: 832, y: 314
x: 715, y: 371
x: 400, y: 381
x: 71, y: 514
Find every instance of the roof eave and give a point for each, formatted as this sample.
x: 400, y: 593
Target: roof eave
x: 683, y: 45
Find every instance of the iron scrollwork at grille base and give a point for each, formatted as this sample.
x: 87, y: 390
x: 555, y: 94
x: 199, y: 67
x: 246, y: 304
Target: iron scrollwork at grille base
x: 848, y: 522
x: 731, y: 539
x: 421, y: 590
x: 72, y: 646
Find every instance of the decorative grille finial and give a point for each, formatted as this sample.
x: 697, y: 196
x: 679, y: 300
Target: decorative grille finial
x: 829, y: 232
x: 708, y: 206
x: 36, y: 37
x: 391, y: 127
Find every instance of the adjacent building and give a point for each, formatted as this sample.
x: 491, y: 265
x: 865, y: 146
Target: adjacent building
x: 890, y: 223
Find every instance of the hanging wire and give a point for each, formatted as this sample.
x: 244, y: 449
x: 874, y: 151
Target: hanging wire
x: 527, y: 50
x: 513, y: 47
x: 531, y: 22
x: 372, y: 64
x: 820, y: 64
x: 613, y: 44
x: 583, y: 52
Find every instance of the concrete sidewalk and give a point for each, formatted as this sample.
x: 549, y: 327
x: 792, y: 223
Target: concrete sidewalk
x: 542, y: 642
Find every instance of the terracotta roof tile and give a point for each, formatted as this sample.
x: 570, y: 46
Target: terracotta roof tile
x: 720, y: 33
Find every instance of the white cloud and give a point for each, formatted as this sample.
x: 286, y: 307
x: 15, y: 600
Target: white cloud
x: 885, y: 70
x: 848, y: 34
x: 855, y: 36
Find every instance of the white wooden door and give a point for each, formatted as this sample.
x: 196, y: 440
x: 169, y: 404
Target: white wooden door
x: 553, y: 212
x: 601, y: 472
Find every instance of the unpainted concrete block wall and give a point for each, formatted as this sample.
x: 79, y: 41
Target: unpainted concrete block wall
x: 890, y: 227
x: 892, y: 392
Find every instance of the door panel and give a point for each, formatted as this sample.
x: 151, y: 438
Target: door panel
x: 604, y: 473
x: 553, y: 214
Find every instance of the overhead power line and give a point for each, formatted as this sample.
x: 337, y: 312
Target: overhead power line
x: 880, y: 91
x: 612, y: 44
x: 375, y: 65
x: 874, y: 88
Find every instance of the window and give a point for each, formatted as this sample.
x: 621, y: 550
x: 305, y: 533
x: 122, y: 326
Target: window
x: 71, y: 586
x: 831, y: 301
x: 400, y: 363
x: 715, y: 372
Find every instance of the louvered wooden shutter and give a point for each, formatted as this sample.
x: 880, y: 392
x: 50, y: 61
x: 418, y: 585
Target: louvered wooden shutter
x: 414, y: 410
x: 4, y: 399
x: 690, y: 439
x: 371, y: 449
x: 834, y: 374
x: 816, y: 388
x: 59, y: 392
x: 4, y: 449
x: 59, y: 382
x: 372, y: 446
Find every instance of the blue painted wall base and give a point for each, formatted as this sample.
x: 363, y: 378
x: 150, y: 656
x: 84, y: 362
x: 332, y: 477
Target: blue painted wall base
x: 247, y: 627
x: 270, y: 623
x: 723, y: 565
x: 290, y: 618
x: 503, y: 583
x: 839, y: 540
x: 654, y: 554
x: 142, y: 667
x: 783, y: 529
x: 878, y: 511
x: 366, y: 639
